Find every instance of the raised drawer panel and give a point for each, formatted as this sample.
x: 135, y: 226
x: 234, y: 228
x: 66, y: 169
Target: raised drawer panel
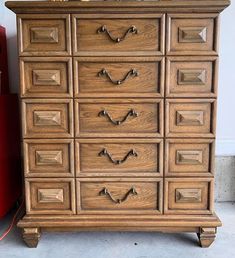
x: 192, y: 34
x: 117, y: 35
x: 46, y: 77
x: 109, y: 77
x: 188, y: 196
x: 118, y: 118
x: 186, y: 157
x: 191, y: 77
x: 118, y: 157
x: 50, y: 196
x: 49, y: 158
x: 44, y: 35
x: 112, y: 195
x: 190, y: 118
x: 47, y: 118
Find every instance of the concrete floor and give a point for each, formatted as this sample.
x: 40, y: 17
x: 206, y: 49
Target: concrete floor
x: 125, y: 245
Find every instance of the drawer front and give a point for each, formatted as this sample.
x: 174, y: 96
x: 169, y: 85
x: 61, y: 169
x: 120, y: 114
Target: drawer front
x: 49, y: 158
x: 47, y: 34
x: 122, y: 77
x: 46, y: 77
x: 190, y: 118
x: 110, y: 195
x: 50, y: 196
x: 191, y: 77
x: 192, y: 34
x: 114, y: 35
x: 47, y: 118
x: 189, y: 157
x: 192, y: 196
x: 120, y: 156
x: 118, y: 118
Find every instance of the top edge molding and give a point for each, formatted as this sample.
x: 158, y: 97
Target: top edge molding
x: 20, y: 7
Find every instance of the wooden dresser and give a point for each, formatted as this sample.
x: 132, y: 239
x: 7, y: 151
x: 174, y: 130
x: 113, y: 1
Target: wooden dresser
x: 118, y: 115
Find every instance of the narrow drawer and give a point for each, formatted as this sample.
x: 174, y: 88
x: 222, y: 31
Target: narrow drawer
x: 119, y: 157
x: 50, y: 196
x: 44, y: 34
x: 119, y: 195
x: 47, y: 118
x: 118, y: 118
x: 46, y: 77
x: 189, y: 157
x: 118, y: 34
x: 119, y: 77
x: 192, y: 34
x: 48, y: 158
x: 190, y: 118
x: 191, y: 77
x: 188, y: 196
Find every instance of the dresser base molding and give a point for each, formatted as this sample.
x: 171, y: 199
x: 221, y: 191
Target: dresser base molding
x: 204, y: 225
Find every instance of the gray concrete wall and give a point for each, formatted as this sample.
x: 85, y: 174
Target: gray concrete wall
x: 225, y: 179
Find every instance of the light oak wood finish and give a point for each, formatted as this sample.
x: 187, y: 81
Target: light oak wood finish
x: 118, y: 115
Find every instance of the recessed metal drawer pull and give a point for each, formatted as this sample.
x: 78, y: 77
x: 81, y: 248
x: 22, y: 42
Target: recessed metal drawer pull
x: 118, y: 122
x: 105, y: 191
x: 103, y: 29
x: 104, y: 152
x: 131, y: 73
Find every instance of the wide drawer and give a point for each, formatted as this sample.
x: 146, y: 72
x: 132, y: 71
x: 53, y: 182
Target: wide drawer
x: 47, y: 118
x: 192, y: 34
x: 46, y: 77
x: 44, y: 34
x: 189, y: 157
x: 190, y: 118
x: 188, y: 196
x: 119, y: 195
x: 119, y: 76
x: 118, y: 34
x: 48, y: 158
x: 118, y: 157
x: 50, y: 196
x: 118, y: 118
x: 191, y: 76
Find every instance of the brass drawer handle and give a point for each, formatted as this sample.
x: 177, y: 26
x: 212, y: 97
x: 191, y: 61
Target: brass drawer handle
x: 132, y: 30
x: 131, y: 73
x: 132, y: 112
x: 106, y: 192
x: 104, y: 152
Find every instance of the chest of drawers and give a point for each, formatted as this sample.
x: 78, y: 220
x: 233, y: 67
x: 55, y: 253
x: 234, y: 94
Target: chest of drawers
x: 118, y: 115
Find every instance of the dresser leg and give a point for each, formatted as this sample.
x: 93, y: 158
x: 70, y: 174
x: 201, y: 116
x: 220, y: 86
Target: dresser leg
x: 206, y: 236
x: 31, y: 236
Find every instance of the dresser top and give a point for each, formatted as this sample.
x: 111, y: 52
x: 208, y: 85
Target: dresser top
x: 76, y: 6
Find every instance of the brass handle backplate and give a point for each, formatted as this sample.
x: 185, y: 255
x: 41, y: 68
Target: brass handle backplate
x: 131, y: 73
x: 103, y: 29
x: 106, y: 192
x: 104, y: 152
x: 132, y: 113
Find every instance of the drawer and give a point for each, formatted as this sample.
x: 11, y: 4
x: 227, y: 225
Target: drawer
x: 119, y: 157
x: 44, y: 34
x: 190, y: 118
x: 119, y: 195
x: 46, y: 77
x: 50, y: 196
x: 189, y: 157
x: 118, y: 34
x: 119, y: 77
x: 192, y: 34
x: 118, y: 118
x: 47, y: 118
x: 191, y: 77
x: 188, y: 196
x: 49, y: 158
